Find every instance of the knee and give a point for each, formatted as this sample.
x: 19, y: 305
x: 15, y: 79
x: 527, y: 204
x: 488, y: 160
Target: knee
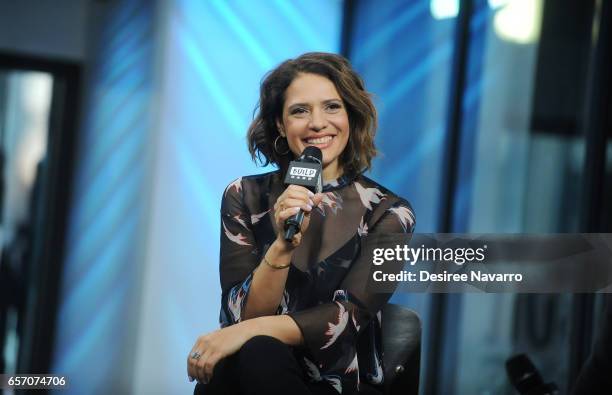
x: 268, y: 366
x: 261, y: 347
x: 261, y: 354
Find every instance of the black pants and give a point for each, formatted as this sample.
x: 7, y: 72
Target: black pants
x: 264, y: 365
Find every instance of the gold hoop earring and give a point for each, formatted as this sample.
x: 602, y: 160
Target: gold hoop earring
x: 276, y: 148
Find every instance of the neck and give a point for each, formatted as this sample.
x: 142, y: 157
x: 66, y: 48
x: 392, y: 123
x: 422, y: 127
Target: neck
x: 331, y: 172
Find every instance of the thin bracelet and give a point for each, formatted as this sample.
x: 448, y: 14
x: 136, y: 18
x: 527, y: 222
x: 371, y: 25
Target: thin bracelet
x: 274, y: 266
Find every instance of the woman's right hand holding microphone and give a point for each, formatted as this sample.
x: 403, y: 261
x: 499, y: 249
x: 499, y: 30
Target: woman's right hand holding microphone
x: 294, y: 198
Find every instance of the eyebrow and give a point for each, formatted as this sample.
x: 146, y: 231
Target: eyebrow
x: 307, y: 104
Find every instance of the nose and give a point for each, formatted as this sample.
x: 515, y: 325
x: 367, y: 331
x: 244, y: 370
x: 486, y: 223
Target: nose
x: 318, y: 121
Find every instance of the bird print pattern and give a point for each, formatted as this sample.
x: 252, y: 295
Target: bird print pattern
x: 331, y: 312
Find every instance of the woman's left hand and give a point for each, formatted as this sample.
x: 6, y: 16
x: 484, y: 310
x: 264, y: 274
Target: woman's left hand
x: 214, y: 346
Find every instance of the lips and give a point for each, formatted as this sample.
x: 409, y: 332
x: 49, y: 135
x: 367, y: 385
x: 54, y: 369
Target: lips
x: 319, y: 141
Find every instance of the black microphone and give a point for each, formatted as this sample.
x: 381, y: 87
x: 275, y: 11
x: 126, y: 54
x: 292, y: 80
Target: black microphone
x: 526, y: 379
x: 305, y: 171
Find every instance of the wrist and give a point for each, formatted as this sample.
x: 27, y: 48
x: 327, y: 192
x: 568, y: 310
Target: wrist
x: 254, y: 327
x: 281, y: 249
x: 281, y: 327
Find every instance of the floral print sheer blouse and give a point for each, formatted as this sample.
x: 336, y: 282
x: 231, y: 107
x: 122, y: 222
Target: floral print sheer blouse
x: 325, y: 292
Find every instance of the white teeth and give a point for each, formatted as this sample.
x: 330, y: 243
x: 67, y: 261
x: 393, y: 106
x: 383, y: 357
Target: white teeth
x: 320, y: 140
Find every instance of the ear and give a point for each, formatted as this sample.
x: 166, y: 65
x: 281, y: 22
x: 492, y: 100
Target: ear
x: 280, y: 128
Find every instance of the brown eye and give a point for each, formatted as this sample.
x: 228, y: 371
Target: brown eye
x: 334, y: 106
x: 298, y: 111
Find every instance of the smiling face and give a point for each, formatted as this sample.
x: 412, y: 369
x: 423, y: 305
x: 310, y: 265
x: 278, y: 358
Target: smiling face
x: 315, y: 115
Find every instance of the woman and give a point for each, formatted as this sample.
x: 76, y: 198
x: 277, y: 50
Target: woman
x: 296, y: 316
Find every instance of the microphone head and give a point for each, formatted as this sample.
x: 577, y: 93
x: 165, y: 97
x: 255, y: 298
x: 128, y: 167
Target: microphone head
x: 306, y: 170
x: 311, y: 153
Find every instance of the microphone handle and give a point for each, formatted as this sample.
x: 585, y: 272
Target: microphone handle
x: 293, y: 224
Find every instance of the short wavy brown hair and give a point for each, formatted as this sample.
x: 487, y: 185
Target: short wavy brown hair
x: 358, y: 154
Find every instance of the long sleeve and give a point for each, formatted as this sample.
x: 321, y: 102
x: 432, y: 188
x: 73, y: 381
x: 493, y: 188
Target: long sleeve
x: 238, y: 254
x: 246, y: 233
x: 331, y: 329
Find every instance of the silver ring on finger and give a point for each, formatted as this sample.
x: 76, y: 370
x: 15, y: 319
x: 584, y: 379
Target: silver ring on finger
x: 195, y: 355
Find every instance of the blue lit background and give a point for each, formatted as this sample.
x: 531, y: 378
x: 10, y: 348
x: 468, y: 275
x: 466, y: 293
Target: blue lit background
x: 97, y: 319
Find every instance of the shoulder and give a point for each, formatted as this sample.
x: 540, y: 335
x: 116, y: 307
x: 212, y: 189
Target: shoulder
x: 384, y: 203
x: 251, y: 182
x: 250, y: 193
x: 366, y: 185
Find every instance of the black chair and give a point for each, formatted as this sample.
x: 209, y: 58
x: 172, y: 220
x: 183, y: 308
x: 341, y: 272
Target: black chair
x: 401, y: 337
